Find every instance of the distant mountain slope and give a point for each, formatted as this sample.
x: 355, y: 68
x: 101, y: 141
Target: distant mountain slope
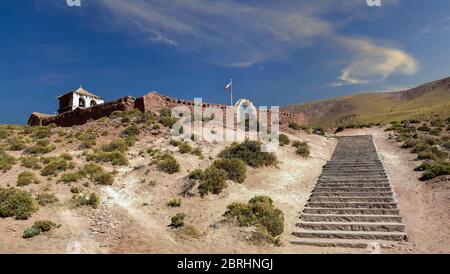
x: 426, y: 100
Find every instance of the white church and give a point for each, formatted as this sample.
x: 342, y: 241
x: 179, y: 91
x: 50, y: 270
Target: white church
x: 79, y: 98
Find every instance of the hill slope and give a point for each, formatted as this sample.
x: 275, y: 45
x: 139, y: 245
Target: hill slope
x: 428, y: 99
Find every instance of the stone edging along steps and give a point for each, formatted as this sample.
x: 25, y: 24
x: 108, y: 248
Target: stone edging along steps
x: 352, y: 204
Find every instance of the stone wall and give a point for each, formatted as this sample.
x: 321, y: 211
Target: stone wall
x: 80, y: 116
x: 150, y: 102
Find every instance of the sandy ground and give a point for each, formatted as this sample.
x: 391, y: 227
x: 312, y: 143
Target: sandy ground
x: 134, y: 217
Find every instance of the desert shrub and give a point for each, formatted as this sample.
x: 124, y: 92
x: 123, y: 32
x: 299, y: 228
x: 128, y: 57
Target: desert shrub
x: 26, y: 178
x: 175, y: 202
x: 302, y: 149
x: 16, y: 144
x: 131, y: 131
x: 195, y: 174
x: 197, y: 152
x: 250, y: 152
x: 409, y: 144
x: 57, y: 166
x: 184, y: 148
x: 86, y: 135
x: 339, y: 129
x: 71, y: 177
x: 4, y: 133
x: 31, y: 232
x: 283, y: 139
x: 436, y: 131
x: 41, y: 133
x: 104, y: 178
x: 46, y: 198
x: 424, y: 128
x: 76, y: 189
x: 86, y: 199
x: 259, y: 210
x: 319, y: 131
x: 213, y: 180
x: 295, y: 126
x: 434, y: 169
x: 89, y: 144
x: 116, y: 145
x: 6, y: 161
x: 116, y: 158
x: 45, y: 226
x: 38, y: 228
x: 236, y: 169
x: 174, y: 143
x: 16, y: 203
x: 178, y: 220
x: 167, y: 163
x: 30, y: 162
x: 165, y: 118
x: 432, y: 153
x: 147, y: 118
x: 41, y: 147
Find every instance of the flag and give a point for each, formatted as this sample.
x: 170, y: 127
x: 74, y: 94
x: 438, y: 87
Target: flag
x: 229, y: 85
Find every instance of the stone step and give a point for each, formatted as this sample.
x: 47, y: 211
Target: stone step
x: 350, y: 205
x: 352, y: 199
x: 353, y: 185
x: 351, y: 189
x: 352, y: 211
x: 353, y: 181
x: 354, y: 177
x: 350, y: 218
x: 344, y: 243
x: 353, y: 194
x: 352, y: 226
x: 367, y: 235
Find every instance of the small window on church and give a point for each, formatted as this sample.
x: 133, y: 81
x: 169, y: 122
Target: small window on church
x: 93, y: 103
x: 81, y: 103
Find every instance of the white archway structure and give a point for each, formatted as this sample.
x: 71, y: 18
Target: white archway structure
x: 245, y: 106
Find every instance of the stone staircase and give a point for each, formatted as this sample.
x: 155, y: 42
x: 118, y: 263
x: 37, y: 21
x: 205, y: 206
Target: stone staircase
x: 353, y: 203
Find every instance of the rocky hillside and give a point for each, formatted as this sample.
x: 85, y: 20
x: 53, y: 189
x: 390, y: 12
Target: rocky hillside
x: 420, y: 102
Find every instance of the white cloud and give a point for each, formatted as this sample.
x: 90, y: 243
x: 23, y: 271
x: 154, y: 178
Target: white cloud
x: 241, y: 34
x: 372, y: 62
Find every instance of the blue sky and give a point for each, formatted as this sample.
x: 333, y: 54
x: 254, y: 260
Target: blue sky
x: 277, y: 52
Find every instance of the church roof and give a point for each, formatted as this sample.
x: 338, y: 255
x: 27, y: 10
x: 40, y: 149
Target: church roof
x: 81, y: 91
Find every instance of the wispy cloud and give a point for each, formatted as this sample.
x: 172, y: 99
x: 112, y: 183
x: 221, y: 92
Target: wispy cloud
x: 373, y: 62
x: 241, y: 34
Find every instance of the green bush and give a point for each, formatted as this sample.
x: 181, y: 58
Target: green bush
x: 295, y: 126
x: 116, y: 158
x: 197, y: 152
x: 283, y: 139
x: 339, y: 129
x: 319, y: 131
x: 116, y: 145
x: 259, y: 210
x: 16, y: 203
x: 250, y: 152
x: 434, y: 169
x: 213, y: 180
x: 6, y: 161
x: 131, y: 131
x: 175, y: 202
x: 38, y: 228
x: 71, y: 177
x: 31, y: 232
x: 46, y: 198
x: 16, y: 145
x: 236, y: 169
x: 196, y: 174
x: 165, y: 118
x: 41, y: 147
x: 178, y: 220
x: 302, y: 148
x: 168, y: 164
x: 76, y: 189
x: 87, y: 199
x: 184, y: 148
x: 41, y: 133
x: 4, y: 133
x: 26, y: 178
x: 57, y: 166
x: 30, y: 162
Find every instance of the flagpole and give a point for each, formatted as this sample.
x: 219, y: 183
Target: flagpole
x: 231, y: 92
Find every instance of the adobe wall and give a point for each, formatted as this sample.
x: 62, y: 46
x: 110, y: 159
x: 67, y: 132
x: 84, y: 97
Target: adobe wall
x: 81, y: 116
x: 150, y: 102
